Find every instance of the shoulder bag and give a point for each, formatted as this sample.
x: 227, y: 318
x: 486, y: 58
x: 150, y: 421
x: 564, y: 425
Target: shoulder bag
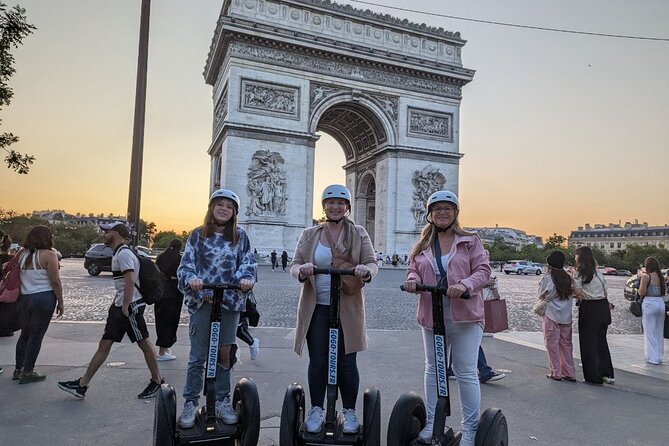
x: 350, y: 285
x: 539, y: 307
x: 10, y: 279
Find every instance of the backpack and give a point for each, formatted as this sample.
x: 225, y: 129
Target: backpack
x: 10, y: 280
x: 151, y: 280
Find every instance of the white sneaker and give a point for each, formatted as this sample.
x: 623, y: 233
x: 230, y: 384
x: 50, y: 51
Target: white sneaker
x: 225, y: 412
x: 608, y: 380
x: 425, y: 436
x: 167, y: 356
x: 254, y: 349
x: 315, y: 419
x: 187, y: 418
x: 351, y: 425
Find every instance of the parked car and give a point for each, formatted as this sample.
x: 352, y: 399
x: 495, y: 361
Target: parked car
x: 610, y: 271
x: 98, y: 257
x: 533, y: 268
x: 515, y: 266
x: 624, y: 272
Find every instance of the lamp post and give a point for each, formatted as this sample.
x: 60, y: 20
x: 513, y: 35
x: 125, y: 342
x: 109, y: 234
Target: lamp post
x: 135, y: 192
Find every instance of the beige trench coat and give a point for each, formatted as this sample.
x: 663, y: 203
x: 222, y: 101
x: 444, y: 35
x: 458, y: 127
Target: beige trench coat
x: 352, y: 308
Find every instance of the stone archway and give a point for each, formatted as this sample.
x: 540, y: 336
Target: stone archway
x: 387, y: 90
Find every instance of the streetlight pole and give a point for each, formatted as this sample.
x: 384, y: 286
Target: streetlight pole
x: 135, y: 192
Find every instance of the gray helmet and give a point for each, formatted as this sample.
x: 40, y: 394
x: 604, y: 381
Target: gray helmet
x: 442, y: 196
x: 225, y: 193
x: 336, y: 191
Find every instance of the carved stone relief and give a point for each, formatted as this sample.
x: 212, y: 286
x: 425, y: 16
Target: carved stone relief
x: 425, y: 183
x: 221, y: 110
x: 390, y: 105
x: 355, y: 71
x: 267, y: 98
x: 267, y: 184
x: 425, y: 123
x: 320, y: 92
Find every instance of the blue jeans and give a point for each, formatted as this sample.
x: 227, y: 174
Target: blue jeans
x: 199, y: 345
x: 485, y: 371
x: 35, y: 311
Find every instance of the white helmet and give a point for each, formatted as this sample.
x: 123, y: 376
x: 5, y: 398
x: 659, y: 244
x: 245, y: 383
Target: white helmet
x: 442, y: 196
x: 225, y: 193
x: 336, y: 191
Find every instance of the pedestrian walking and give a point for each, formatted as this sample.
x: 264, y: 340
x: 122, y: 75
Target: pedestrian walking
x: 284, y: 260
x: 652, y: 288
x: 273, y: 259
x: 219, y: 251
x: 557, y: 289
x: 9, y: 313
x: 168, y: 308
x: 315, y: 249
x: 594, y: 318
x: 41, y: 292
x: 125, y: 316
x: 466, y: 263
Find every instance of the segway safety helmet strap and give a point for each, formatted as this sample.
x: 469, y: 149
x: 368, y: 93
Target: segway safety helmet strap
x: 226, y: 193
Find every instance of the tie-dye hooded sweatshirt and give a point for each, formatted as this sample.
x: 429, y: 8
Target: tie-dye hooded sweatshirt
x: 215, y: 260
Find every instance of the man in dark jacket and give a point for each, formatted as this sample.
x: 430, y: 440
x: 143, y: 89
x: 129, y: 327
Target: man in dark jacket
x: 168, y: 309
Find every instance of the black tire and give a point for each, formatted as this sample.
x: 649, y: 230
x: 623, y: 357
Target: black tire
x: 292, y: 415
x: 246, y: 402
x: 94, y: 268
x: 165, y: 416
x: 371, y: 417
x: 538, y: 272
x: 492, y: 430
x: 406, y: 420
x: 519, y: 272
x: 507, y: 272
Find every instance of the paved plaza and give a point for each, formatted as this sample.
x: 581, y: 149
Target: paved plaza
x: 539, y: 411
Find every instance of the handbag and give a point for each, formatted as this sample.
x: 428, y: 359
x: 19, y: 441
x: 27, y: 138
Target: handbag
x: 635, y: 306
x: 350, y: 285
x: 251, y: 311
x: 10, y: 279
x: 496, y: 318
x: 539, y: 307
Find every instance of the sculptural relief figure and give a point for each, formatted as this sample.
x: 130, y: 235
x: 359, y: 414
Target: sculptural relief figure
x: 267, y: 184
x: 264, y: 98
x: 430, y: 124
x: 425, y: 183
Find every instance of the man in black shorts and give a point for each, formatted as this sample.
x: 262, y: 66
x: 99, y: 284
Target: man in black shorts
x: 126, y: 315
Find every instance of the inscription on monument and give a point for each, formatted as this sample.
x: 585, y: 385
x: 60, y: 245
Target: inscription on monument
x: 425, y: 183
x: 267, y: 184
x: 431, y: 124
x: 266, y: 98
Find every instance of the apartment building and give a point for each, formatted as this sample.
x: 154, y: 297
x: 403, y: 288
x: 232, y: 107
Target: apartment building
x: 615, y: 237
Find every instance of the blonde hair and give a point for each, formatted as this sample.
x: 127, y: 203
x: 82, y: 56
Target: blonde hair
x: 428, y: 234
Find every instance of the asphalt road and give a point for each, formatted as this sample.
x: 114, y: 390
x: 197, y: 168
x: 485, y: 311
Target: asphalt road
x: 87, y: 298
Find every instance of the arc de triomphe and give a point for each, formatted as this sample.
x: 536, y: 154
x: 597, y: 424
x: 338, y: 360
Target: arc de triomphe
x: 387, y: 90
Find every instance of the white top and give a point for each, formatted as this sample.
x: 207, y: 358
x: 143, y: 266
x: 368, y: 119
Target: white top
x: 558, y: 310
x: 595, y: 290
x: 124, y: 260
x: 322, y: 259
x: 444, y: 263
x: 35, y: 279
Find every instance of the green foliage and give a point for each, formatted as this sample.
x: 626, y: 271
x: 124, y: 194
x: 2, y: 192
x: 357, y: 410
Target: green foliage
x: 13, y: 29
x: 74, y: 241
x: 146, y: 232
x: 555, y: 242
x: 18, y: 226
x: 163, y: 238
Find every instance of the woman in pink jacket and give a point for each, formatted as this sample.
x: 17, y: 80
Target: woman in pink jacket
x: 465, y: 262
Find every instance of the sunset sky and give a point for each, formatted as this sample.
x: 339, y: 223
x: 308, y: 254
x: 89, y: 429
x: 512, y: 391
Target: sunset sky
x: 558, y: 130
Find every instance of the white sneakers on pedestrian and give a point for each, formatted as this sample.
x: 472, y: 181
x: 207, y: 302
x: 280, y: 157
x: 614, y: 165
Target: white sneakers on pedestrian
x: 187, y: 418
x: 167, y: 356
x: 225, y: 412
x: 608, y: 380
x: 425, y: 436
x: 351, y: 425
x: 315, y: 419
x: 254, y: 349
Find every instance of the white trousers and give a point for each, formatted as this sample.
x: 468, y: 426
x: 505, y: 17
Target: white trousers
x: 652, y: 319
x: 464, y: 339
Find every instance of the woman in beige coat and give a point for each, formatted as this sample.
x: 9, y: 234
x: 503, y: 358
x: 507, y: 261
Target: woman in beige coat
x: 314, y: 250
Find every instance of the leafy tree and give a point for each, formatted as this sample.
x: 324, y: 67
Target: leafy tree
x: 18, y: 226
x: 146, y: 232
x: 555, y: 242
x: 74, y: 241
x: 163, y: 238
x: 13, y: 29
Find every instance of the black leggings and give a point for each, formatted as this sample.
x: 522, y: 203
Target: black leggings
x: 348, y: 378
x: 243, y: 332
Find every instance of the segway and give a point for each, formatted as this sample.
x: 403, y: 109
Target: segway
x: 409, y: 415
x: 293, y: 431
x: 208, y: 429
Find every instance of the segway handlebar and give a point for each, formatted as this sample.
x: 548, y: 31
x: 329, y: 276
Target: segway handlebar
x: 341, y: 272
x: 221, y: 286
x: 436, y: 289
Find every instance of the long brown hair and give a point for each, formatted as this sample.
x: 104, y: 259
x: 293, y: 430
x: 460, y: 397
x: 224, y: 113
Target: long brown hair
x: 652, y: 265
x: 39, y: 237
x: 562, y: 282
x: 428, y: 234
x: 209, y: 226
x: 586, y: 265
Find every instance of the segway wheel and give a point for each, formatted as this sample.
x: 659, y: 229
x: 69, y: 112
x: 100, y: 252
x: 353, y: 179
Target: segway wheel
x: 292, y: 415
x: 246, y: 402
x: 371, y: 417
x: 492, y: 430
x: 165, y: 416
x: 406, y: 420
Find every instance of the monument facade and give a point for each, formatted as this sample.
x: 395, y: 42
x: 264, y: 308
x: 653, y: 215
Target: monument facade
x: 387, y: 90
